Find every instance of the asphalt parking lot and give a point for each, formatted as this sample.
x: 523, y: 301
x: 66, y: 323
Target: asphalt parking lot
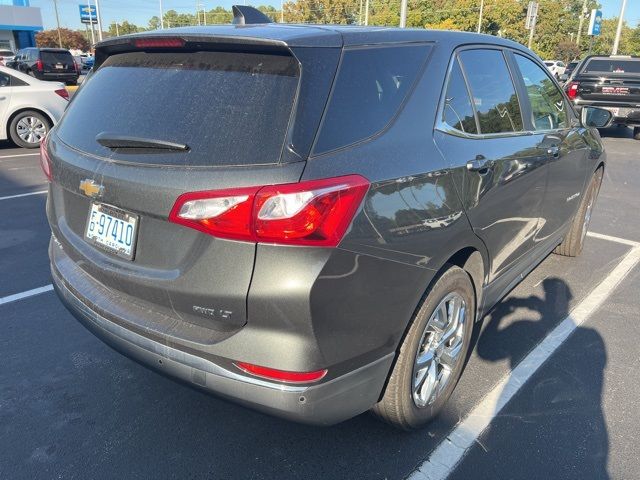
x: 70, y: 407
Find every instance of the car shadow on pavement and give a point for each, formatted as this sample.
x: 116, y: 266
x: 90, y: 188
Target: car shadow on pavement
x: 556, y: 419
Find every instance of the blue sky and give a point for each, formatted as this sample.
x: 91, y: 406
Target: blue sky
x: 139, y: 11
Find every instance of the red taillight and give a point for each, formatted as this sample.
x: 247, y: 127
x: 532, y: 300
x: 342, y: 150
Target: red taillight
x: 281, y: 375
x: 63, y: 93
x: 39, y: 65
x: 315, y: 212
x: 572, y: 90
x: 159, y: 42
x: 45, y: 161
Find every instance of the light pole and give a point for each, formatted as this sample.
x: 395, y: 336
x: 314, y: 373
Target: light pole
x: 616, y: 43
x: 403, y: 14
x: 583, y: 14
x: 366, y: 12
x: 480, y: 17
x: 161, y: 17
x: 99, y: 18
x: 93, y: 35
x: 55, y: 6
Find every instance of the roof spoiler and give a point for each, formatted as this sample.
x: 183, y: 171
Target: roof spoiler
x: 245, y: 15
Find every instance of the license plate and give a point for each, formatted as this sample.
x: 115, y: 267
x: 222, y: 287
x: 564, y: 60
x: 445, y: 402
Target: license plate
x: 614, y: 111
x: 112, y: 229
x: 59, y: 66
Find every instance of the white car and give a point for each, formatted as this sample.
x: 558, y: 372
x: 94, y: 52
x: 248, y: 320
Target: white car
x: 6, y: 56
x: 556, y: 67
x: 29, y: 107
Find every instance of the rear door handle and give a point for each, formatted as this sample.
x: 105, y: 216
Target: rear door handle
x: 554, y: 151
x: 480, y: 164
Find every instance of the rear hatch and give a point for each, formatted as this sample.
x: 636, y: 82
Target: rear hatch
x: 148, y: 126
x: 610, y: 80
x: 55, y: 61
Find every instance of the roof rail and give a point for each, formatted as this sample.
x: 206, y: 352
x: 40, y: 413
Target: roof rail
x: 245, y: 15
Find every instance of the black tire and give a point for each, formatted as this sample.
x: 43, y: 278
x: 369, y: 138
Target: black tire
x: 573, y: 242
x: 397, y: 405
x: 636, y: 133
x: 13, y: 128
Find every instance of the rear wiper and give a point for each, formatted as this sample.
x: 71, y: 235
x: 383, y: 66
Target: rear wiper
x: 115, y: 141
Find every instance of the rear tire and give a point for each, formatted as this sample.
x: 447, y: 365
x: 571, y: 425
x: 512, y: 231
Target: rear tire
x: 636, y: 133
x: 418, y: 388
x: 28, y: 129
x: 573, y: 242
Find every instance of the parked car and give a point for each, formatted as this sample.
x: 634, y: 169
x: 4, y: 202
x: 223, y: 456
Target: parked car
x: 28, y: 107
x: 321, y: 235
x: 611, y: 82
x: 571, y: 66
x: 47, y: 64
x: 556, y: 67
x: 84, y: 62
x: 6, y: 56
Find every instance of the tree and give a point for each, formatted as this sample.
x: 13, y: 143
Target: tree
x: 123, y: 28
x: 567, y: 51
x: 70, y: 39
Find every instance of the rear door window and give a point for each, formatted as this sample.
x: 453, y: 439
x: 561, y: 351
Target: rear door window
x: 457, y: 109
x: 494, y: 95
x: 369, y: 90
x: 548, y: 109
x: 229, y: 108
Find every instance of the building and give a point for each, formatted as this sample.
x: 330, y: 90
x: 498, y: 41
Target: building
x: 19, y: 23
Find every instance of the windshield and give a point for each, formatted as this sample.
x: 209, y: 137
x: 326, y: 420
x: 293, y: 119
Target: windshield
x: 56, y: 57
x: 227, y: 108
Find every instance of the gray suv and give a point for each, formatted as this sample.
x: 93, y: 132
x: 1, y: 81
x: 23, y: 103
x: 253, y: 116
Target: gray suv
x: 309, y: 220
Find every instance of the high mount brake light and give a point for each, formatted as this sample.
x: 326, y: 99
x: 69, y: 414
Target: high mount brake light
x: 159, y: 42
x: 45, y: 161
x: 315, y: 212
x: 281, y: 375
x: 572, y: 91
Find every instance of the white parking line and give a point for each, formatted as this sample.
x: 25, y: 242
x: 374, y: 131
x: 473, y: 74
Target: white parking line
x: 39, y: 192
x: 450, y: 451
x: 609, y: 238
x: 28, y: 293
x: 20, y: 155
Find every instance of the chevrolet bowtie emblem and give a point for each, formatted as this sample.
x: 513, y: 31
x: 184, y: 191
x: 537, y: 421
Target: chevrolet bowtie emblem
x: 91, y: 188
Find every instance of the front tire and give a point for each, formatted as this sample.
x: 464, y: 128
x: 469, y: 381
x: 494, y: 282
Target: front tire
x: 573, y: 242
x: 432, y: 355
x: 28, y: 129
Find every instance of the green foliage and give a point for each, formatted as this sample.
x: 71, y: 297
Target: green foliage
x: 123, y: 28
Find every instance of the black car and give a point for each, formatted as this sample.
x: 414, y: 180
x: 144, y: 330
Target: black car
x: 611, y: 82
x: 46, y: 64
x: 313, y: 227
x: 571, y: 66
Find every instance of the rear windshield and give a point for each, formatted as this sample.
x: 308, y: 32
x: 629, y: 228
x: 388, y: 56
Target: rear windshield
x: 6, y: 53
x: 227, y: 108
x: 56, y: 57
x: 612, y: 65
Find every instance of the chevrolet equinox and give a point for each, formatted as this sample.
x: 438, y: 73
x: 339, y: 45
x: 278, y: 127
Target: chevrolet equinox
x: 309, y: 220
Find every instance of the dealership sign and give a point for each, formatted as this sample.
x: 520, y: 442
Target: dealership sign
x: 595, y: 23
x: 88, y: 14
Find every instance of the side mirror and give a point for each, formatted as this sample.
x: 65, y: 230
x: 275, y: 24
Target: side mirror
x: 596, y: 117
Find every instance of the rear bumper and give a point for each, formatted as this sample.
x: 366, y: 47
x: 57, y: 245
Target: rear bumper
x: 326, y: 403
x: 58, y: 77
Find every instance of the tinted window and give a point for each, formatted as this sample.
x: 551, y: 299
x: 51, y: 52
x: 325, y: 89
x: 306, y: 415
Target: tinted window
x: 457, y: 110
x: 56, y: 57
x: 5, y: 80
x: 369, y: 89
x: 548, y: 110
x: 494, y: 95
x: 228, y: 108
x: 6, y: 53
x: 601, y: 65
